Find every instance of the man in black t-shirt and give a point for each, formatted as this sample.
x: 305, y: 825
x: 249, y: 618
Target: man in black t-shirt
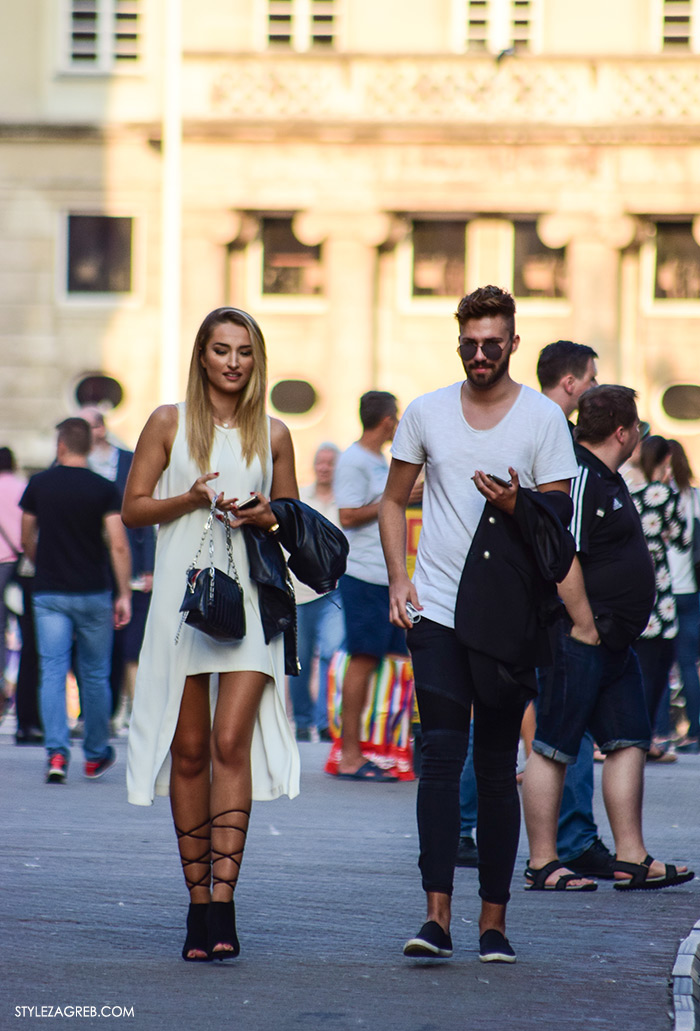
x: 71, y: 528
x: 596, y: 683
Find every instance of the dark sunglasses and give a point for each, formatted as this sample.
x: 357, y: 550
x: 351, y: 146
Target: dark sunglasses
x: 490, y: 350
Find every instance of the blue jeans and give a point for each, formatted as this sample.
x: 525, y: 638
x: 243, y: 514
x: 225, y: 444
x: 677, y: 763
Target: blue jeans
x: 6, y: 570
x: 320, y: 629
x: 61, y: 620
x: 577, y: 828
x: 687, y: 646
x: 468, y: 803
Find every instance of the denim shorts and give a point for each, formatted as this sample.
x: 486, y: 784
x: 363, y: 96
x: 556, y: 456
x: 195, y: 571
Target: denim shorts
x: 590, y: 687
x: 368, y: 630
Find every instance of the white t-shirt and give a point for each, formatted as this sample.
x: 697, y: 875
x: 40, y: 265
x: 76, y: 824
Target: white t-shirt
x: 680, y: 563
x: 533, y: 438
x: 360, y: 479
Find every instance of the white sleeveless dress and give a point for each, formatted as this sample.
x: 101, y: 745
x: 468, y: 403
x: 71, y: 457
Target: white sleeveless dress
x: 163, y: 665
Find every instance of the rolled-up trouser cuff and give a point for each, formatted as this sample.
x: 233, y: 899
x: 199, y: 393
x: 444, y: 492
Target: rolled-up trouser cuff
x: 553, y: 753
x: 500, y: 900
x: 444, y: 889
x: 620, y: 743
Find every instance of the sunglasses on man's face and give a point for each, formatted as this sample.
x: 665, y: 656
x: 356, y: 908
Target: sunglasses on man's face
x: 490, y: 350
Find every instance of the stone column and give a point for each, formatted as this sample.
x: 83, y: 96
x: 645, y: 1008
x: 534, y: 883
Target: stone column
x: 489, y: 252
x: 350, y: 242
x: 206, y: 234
x: 594, y: 242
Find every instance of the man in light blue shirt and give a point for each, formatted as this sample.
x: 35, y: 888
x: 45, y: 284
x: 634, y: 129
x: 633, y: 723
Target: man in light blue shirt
x: 360, y: 477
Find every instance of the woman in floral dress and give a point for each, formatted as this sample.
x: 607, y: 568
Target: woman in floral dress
x: 659, y: 508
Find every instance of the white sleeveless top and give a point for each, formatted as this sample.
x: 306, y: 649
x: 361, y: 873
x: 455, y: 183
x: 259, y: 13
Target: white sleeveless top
x: 163, y: 665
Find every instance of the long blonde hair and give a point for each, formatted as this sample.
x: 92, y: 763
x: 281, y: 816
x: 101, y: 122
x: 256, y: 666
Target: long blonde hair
x: 251, y: 418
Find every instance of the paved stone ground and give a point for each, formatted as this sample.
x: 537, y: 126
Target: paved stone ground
x: 94, y: 905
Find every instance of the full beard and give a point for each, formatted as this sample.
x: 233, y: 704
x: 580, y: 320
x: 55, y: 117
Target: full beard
x: 496, y: 372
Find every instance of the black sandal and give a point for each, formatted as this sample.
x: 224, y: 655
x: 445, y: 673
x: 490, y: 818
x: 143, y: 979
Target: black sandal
x: 197, y: 913
x: 221, y: 931
x: 640, y: 879
x: 538, y: 879
x: 196, y: 939
x: 222, y: 915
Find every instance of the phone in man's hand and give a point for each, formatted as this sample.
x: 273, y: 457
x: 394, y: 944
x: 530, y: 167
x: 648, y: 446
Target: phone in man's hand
x: 499, y: 481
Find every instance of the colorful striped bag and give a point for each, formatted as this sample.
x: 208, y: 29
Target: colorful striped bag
x: 385, y: 729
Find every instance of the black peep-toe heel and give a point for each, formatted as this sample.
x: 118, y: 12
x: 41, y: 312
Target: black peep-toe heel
x: 222, y: 915
x: 197, y: 933
x: 222, y: 931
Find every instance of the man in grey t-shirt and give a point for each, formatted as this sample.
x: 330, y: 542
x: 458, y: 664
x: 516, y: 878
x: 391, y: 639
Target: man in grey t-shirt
x: 359, y: 481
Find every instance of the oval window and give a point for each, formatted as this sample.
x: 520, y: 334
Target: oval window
x: 293, y: 396
x: 99, y: 390
x: 682, y: 401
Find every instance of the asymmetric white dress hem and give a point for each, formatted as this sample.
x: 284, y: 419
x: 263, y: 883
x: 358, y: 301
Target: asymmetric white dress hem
x: 164, y: 665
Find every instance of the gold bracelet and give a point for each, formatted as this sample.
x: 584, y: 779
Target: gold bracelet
x: 274, y: 528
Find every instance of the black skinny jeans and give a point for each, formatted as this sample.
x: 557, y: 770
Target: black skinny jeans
x: 445, y: 693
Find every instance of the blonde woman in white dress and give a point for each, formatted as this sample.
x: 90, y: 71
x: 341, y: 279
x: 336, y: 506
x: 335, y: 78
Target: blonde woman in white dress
x: 209, y: 723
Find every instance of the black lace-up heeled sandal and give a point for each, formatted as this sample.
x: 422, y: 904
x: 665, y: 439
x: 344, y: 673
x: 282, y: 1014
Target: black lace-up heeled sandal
x: 222, y: 940
x: 197, y: 914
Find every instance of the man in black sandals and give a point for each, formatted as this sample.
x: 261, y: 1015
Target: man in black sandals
x: 595, y: 682
x: 565, y: 371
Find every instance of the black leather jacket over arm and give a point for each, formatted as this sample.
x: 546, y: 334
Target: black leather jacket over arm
x: 317, y: 556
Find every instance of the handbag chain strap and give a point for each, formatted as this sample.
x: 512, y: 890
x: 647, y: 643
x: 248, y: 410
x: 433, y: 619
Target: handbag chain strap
x: 231, y: 566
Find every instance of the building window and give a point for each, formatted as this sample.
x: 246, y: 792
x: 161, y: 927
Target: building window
x: 439, y: 258
x: 682, y: 401
x: 677, y: 25
x: 104, y: 35
x: 302, y: 24
x: 293, y: 396
x: 478, y: 25
x: 538, y: 270
x: 495, y: 26
x: 677, y: 273
x: 521, y: 25
x: 289, y: 267
x: 99, y: 254
x: 99, y: 390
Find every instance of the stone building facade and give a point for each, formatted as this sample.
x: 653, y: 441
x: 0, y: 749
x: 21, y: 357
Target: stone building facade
x: 345, y: 170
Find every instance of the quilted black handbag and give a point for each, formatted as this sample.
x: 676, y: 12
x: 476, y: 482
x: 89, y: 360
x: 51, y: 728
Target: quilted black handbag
x: 213, y: 601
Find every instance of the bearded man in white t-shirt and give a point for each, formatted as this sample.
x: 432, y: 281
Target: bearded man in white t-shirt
x: 465, y: 434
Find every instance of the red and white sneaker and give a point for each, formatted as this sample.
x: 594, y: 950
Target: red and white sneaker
x: 94, y: 768
x: 56, y: 769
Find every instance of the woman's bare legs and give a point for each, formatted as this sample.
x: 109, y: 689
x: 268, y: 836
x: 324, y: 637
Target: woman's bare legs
x: 231, y: 786
x: 210, y: 784
x: 189, y: 792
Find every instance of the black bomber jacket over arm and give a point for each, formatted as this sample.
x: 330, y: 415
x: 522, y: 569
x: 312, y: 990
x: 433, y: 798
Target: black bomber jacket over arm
x: 507, y: 594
